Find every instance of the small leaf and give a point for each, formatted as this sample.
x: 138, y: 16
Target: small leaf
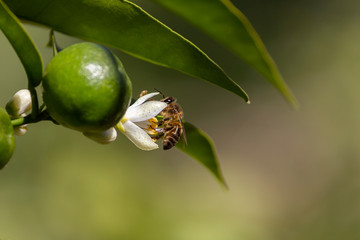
x: 221, y: 20
x: 22, y: 44
x: 124, y: 25
x: 200, y: 147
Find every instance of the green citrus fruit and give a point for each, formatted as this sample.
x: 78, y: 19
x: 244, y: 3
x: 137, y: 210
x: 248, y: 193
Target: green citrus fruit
x: 86, y: 88
x: 7, y: 140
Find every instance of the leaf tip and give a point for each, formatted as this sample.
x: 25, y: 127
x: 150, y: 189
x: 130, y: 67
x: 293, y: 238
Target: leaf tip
x: 223, y: 183
x: 290, y: 97
x: 295, y: 104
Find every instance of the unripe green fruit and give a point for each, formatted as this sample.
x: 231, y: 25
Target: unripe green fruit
x: 86, y: 88
x: 7, y: 140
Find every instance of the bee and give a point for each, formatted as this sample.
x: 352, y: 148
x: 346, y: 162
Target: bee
x: 170, y: 126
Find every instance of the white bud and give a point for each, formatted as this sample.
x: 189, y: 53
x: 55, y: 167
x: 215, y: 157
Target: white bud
x: 20, y: 130
x: 19, y: 104
x: 104, y: 137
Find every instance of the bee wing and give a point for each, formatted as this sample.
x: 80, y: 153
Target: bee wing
x: 183, y: 135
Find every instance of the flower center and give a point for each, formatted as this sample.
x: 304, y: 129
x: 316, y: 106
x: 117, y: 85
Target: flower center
x: 151, y: 128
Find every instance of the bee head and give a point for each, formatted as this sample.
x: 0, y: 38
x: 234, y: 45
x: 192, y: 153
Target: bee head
x: 168, y: 100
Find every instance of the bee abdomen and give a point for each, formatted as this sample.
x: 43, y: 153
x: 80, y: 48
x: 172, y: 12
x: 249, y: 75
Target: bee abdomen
x: 169, y: 143
x: 170, y: 140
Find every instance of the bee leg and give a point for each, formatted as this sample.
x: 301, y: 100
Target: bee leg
x: 159, y: 130
x: 157, y: 137
x: 160, y: 122
x: 143, y: 92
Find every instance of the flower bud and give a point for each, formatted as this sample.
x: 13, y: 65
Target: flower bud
x: 20, y: 130
x: 103, y: 137
x: 19, y: 104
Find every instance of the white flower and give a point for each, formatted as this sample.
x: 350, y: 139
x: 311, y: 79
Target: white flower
x: 104, y: 137
x: 19, y: 104
x: 139, y: 119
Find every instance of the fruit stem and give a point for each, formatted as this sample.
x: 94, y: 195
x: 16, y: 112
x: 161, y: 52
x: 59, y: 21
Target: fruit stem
x: 52, y: 43
x: 44, y: 115
x: 35, y: 102
x: 18, y: 121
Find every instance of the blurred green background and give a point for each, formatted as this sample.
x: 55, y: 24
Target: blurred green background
x: 291, y: 174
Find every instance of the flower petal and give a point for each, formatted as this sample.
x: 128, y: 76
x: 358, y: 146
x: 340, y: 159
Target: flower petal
x: 145, y: 111
x: 143, y: 99
x: 143, y: 124
x: 138, y: 136
x: 104, y: 137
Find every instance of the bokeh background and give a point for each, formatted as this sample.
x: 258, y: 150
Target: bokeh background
x: 291, y: 174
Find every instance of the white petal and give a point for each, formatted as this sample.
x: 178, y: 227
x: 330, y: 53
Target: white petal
x: 138, y: 136
x: 143, y: 99
x: 143, y: 124
x: 104, y: 137
x: 145, y: 111
x: 20, y: 103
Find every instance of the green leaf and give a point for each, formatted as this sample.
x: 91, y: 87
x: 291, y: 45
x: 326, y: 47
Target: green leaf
x: 200, y: 147
x: 124, y: 25
x: 221, y: 20
x: 22, y: 44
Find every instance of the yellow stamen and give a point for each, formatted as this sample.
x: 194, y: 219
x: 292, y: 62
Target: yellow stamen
x: 151, y: 132
x: 153, y: 124
x: 153, y: 121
